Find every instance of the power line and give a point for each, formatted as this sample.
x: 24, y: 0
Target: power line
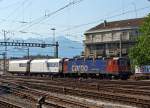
x: 82, y: 25
x: 109, y: 17
x: 15, y: 10
x: 36, y: 21
x: 8, y: 6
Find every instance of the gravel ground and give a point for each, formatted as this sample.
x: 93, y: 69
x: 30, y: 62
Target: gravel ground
x: 17, y: 101
x: 89, y: 102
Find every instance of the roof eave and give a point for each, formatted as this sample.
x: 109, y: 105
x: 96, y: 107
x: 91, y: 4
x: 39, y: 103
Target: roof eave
x: 109, y: 30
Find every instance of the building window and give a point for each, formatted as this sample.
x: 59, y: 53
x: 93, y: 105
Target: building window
x: 112, y: 36
x: 103, y: 37
x: 137, y: 33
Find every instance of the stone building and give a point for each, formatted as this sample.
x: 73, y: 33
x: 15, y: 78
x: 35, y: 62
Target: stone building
x: 111, y: 38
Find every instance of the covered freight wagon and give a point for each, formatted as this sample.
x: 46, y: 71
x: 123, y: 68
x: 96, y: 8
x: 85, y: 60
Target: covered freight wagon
x: 19, y: 66
x: 45, y: 66
x: 38, y: 66
x: 54, y: 65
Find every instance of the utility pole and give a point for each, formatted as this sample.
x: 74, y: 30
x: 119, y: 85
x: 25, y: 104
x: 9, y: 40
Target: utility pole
x: 28, y: 51
x: 56, y: 53
x: 5, y: 52
x: 135, y: 9
x: 4, y: 63
x: 53, y: 29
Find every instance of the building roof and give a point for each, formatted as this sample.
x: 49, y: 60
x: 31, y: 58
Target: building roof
x: 118, y: 24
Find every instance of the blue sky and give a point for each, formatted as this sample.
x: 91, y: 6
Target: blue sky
x: 69, y: 21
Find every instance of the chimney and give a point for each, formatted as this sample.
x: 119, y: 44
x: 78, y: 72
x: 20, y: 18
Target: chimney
x: 105, y: 23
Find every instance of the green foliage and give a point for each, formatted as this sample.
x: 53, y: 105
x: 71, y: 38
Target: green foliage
x: 140, y: 53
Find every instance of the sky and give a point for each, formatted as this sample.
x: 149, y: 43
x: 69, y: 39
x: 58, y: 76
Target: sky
x: 35, y: 18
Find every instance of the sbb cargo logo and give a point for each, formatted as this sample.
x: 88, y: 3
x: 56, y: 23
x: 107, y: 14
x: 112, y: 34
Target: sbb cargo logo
x: 79, y: 68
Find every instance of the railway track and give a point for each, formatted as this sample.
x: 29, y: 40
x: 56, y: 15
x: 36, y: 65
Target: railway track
x: 125, y: 99
x: 126, y: 89
x: 6, y: 104
x: 50, y: 100
x: 115, y: 92
x: 85, y: 81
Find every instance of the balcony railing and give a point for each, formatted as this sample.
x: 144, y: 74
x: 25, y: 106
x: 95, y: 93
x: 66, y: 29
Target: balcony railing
x: 107, y: 41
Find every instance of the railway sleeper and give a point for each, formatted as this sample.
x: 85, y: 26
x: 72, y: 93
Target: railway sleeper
x: 90, y: 94
x: 7, y: 105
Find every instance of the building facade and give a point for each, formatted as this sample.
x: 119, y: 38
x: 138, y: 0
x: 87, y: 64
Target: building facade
x: 112, y: 39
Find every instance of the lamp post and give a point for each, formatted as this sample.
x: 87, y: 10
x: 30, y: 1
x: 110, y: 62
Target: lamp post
x: 53, y: 29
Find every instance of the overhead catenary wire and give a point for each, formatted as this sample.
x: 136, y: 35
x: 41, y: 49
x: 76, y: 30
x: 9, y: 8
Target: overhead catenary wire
x: 9, y: 5
x: 106, y: 18
x: 93, y: 22
x: 14, y: 11
x: 38, y: 20
x: 89, y: 23
x: 85, y: 24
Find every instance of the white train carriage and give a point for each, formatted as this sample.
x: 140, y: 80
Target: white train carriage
x: 45, y: 66
x: 38, y: 66
x: 54, y: 65
x: 19, y: 66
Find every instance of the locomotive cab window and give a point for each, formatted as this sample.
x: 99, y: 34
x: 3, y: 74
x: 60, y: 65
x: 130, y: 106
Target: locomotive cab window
x: 122, y: 63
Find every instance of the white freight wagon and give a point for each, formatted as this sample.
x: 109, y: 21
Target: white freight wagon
x: 39, y: 66
x: 54, y: 65
x: 45, y: 66
x: 19, y: 66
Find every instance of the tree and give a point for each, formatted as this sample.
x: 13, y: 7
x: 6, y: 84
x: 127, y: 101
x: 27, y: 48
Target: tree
x: 140, y: 53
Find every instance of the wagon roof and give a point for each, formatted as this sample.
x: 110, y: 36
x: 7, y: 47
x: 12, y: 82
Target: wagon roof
x: 19, y: 61
x: 54, y: 60
x: 39, y: 61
